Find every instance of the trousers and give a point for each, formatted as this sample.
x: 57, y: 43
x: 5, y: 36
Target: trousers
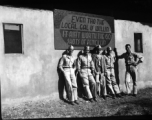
x: 111, y: 82
x: 89, y: 84
x: 71, y: 84
x: 131, y: 72
x: 101, y: 84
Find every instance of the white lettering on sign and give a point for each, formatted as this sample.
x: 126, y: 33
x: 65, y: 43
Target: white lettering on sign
x: 76, y: 19
x: 74, y: 34
x: 81, y: 30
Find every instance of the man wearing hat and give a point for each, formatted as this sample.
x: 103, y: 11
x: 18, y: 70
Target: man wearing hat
x: 86, y: 68
x: 131, y: 60
x: 67, y: 66
x: 100, y: 70
x: 110, y: 75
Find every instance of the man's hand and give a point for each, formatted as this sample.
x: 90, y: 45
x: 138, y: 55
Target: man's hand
x: 63, y: 71
x: 140, y: 60
x: 135, y: 63
x: 79, y: 71
x: 105, y: 74
x: 97, y: 73
x: 102, y: 74
x: 93, y: 72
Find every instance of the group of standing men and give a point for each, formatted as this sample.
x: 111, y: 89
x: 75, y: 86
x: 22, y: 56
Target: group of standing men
x: 97, y: 72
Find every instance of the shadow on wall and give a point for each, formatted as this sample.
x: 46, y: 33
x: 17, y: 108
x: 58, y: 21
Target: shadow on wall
x: 116, y: 67
x: 61, y: 81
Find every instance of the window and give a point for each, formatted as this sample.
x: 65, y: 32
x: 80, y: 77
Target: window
x: 13, y: 37
x: 138, y: 43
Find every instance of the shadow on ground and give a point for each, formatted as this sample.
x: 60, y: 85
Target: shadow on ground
x: 140, y: 105
x: 137, y: 107
x: 128, y: 107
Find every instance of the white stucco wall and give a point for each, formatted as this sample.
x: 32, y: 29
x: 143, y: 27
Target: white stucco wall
x: 124, y: 34
x: 34, y: 73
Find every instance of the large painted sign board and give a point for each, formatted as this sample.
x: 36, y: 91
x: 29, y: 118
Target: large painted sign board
x: 81, y: 29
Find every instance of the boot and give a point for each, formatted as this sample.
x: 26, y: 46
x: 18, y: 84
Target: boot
x: 113, y: 96
x: 91, y: 100
x: 95, y: 99
x: 76, y: 102
x: 72, y: 102
x: 118, y: 95
x: 104, y: 97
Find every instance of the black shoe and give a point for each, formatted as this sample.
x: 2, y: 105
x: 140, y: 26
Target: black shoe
x: 98, y: 93
x: 129, y: 94
x: 72, y: 103
x: 76, y: 102
x: 108, y: 95
x: 95, y: 99
x: 135, y: 95
x: 113, y: 96
x: 126, y: 94
x: 104, y: 97
x: 118, y: 95
x: 91, y: 100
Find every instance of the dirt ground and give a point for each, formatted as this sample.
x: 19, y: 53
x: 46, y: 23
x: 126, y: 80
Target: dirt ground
x: 47, y: 108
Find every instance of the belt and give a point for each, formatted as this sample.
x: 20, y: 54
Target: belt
x: 67, y: 67
x: 86, y: 67
x: 130, y: 66
x: 110, y: 67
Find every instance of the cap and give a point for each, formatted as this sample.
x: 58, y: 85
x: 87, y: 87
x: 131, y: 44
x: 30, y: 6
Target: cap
x: 71, y: 48
x: 109, y: 49
x: 99, y: 47
x: 86, y: 48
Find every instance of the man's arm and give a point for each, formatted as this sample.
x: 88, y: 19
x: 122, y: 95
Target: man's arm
x: 138, y: 59
x: 61, y: 64
x: 120, y: 56
x: 92, y: 65
x: 79, y: 64
x: 103, y: 65
x: 74, y: 64
x: 95, y: 64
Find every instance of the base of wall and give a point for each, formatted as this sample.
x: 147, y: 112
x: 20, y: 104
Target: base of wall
x: 140, y: 85
x: 16, y: 101
x: 55, y: 95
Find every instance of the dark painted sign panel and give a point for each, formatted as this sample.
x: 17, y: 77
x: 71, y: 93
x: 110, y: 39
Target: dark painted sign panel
x: 81, y: 29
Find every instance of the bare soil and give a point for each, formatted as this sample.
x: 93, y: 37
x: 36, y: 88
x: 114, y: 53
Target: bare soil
x: 47, y: 108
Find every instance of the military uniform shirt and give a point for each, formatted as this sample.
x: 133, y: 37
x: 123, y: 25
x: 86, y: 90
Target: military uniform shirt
x: 109, y: 60
x: 99, y: 62
x: 85, y: 62
x: 67, y: 62
x: 129, y: 58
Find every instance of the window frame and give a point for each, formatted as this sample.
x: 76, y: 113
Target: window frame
x: 21, y: 31
x: 136, y: 44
